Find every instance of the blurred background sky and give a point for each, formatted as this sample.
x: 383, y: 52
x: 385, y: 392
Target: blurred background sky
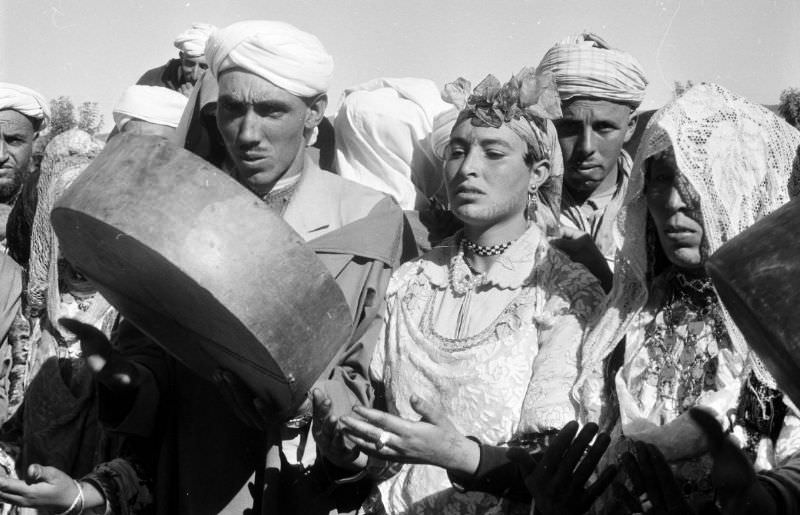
x: 92, y: 49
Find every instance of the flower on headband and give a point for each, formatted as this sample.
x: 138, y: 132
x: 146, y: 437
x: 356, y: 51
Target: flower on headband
x: 527, y: 94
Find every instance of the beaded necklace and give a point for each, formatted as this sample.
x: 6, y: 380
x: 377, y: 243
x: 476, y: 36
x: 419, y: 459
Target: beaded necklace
x: 679, y: 359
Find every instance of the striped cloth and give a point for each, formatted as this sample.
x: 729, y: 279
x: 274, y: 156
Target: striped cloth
x: 585, y: 66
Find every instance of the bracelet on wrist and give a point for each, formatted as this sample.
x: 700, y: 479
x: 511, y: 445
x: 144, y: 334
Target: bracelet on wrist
x: 78, y: 504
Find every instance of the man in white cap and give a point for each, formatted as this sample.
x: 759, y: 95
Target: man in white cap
x: 180, y: 74
x: 23, y: 113
x: 148, y: 110
x: 600, y: 90
x: 272, y: 81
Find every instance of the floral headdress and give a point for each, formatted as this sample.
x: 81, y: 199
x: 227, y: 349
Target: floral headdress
x: 528, y: 96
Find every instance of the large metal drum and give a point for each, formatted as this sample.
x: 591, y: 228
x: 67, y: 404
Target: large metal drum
x: 757, y: 275
x: 203, y: 267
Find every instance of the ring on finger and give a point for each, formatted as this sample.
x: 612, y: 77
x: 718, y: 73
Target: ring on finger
x: 383, y: 439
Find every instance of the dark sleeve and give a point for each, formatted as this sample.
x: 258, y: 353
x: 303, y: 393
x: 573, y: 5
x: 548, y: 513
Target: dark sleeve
x: 135, y: 412
x: 496, y: 475
x: 368, y: 279
x: 783, y: 485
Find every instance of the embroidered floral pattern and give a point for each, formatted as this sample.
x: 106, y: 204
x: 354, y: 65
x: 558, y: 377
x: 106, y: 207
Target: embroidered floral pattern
x: 512, y: 377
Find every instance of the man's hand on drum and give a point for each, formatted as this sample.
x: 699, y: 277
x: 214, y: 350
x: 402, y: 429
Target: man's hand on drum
x: 253, y: 411
x: 109, y: 366
x: 433, y: 439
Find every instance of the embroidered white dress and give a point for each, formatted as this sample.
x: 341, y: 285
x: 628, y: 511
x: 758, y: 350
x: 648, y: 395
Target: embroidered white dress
x: 509, y: 372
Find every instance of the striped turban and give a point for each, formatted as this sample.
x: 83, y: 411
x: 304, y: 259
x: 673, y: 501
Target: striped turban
x: 276, y: 51
x: 585, y: 66
x: 192, y: 41
x: 25, y: 101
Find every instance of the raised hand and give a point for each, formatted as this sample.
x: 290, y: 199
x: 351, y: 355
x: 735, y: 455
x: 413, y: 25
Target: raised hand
x: 433, y: 439
x: 558, y: 480
x: 109, y: 366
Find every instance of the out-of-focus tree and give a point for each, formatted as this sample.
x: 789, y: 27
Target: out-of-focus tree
x: 679, y: 88
x: 789, y: 106
x: 62, y: 115
x: 89, y: 117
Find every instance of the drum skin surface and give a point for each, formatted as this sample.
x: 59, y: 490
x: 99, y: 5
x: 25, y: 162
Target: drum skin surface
x: 757, y: 276
x: 203, y: 267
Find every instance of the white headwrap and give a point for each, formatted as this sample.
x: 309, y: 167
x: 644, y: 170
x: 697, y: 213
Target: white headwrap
x: 192, y: 41
x: 25, y: 101
x: 585, y: 66
x: 382, y: 138
x: 153, y: 104
x: 443, y: 125
x: 739, y: 157
x: 276, y: 51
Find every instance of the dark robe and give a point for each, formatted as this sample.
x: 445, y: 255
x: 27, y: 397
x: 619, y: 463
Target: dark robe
x: 167, y: 76
x: 204, y: 455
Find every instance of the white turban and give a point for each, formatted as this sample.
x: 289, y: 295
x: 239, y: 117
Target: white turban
x: 383, y: 138
x: 25, y: 101
x: 443, y: 125
x: 192, y: 41
x: 276, y: 51
x: 154, y: 104
x: 585, y: 66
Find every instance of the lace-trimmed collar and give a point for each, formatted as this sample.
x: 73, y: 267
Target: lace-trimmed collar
x: 509, y: 271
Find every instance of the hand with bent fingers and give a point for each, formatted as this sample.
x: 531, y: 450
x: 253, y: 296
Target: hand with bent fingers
x: 655, y: 490
x: 109, y: 366
x: 46, y: 488
x: 558, y: 481
x: 737, y: 487
x: 328, y: 435
x: 433, y: 439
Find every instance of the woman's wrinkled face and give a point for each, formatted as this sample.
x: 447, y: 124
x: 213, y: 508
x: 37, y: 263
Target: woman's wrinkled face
x: 675, y: 207
x: 486, y: 176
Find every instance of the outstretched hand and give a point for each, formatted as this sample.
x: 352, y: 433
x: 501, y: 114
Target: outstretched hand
x: 109, y: 366
x: 433, y: 439
x: 558, y: 481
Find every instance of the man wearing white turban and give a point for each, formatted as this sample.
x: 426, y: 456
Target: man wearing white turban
x: 149, y: 110
x: 272, y: 81
x: 180, y: 74
x: 600, y: 89
x: 383, y: 139
x: 23, y: 113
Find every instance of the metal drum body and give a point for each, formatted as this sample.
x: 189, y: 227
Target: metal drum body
x: 757, y: 275
x: 202, y: 266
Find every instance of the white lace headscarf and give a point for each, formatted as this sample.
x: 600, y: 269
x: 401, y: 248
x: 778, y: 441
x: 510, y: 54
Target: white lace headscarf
x: 740, y: 158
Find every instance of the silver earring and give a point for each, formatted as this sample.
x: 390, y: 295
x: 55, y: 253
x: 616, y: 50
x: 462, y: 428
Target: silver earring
x: 533, y: 204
